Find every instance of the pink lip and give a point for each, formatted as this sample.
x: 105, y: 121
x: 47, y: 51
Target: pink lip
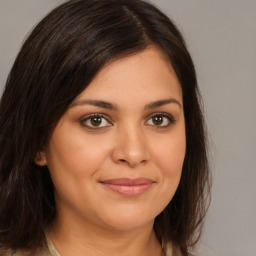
x: 128, y: 187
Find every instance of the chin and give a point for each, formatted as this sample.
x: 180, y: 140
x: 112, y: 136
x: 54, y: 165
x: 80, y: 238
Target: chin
x: 130, y: 224
x: 128, y: 220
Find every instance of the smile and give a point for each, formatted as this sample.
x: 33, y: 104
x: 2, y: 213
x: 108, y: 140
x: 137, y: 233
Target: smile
x: 128, y: 187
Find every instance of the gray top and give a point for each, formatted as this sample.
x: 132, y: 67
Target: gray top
x: 50, y: 250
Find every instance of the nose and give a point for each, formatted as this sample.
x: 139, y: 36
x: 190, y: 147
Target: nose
x: 131, y: 148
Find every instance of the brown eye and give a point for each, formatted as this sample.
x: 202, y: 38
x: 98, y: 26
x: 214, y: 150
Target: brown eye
x: 157, y: 120
x: 95, y: 121
x: 160, y: 120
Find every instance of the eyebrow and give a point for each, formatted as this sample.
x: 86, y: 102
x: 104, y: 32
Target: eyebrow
x: 159, y: 103
x: 108, y: 105
x: 97, y: 103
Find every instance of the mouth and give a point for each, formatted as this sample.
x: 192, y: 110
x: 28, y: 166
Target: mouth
x: 128, y: 187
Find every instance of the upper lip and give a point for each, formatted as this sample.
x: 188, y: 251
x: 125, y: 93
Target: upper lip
x: 128, y: 181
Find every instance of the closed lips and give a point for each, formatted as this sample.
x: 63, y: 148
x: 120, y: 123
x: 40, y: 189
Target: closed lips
x: 129, y: 187
x: 128, y: 182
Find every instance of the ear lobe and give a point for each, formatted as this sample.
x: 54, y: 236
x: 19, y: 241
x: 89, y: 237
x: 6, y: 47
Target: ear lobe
x: 40, y: 159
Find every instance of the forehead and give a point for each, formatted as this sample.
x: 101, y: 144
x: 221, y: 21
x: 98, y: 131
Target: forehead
x: 147, y: 74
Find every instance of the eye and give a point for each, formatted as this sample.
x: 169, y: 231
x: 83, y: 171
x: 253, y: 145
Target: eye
x: 160, y: 120
x: 95, y: 121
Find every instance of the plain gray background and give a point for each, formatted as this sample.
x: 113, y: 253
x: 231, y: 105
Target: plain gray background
x: 221, y: 36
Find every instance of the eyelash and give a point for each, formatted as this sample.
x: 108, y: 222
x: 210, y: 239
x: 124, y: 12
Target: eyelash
x: 95, y: 115
x: 169, y: 118
x: 87, y: 118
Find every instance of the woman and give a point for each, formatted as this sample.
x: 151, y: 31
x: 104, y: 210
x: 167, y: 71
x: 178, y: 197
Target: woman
x: 102, y: 144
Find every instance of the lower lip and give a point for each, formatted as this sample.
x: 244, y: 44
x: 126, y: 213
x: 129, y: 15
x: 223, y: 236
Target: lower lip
x: 129, y: 190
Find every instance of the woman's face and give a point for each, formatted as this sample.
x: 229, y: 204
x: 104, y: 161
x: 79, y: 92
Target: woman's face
x: 116, y: 156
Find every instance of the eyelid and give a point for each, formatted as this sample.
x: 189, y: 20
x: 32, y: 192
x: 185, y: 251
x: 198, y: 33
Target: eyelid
x: 110, y: 122
x: 88, y: 116
x: 164, y: 114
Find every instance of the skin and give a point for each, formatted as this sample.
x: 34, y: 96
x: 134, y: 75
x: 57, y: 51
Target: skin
x: 133, y: 138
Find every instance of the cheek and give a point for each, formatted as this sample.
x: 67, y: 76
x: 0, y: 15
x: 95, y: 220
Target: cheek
x: 170, y: 154
x: 75, y: 155
x: 73, y: 162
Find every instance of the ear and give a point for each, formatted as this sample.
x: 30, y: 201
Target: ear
x: 40, y: 159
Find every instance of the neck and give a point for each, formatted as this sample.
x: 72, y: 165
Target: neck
x: 81, y: 238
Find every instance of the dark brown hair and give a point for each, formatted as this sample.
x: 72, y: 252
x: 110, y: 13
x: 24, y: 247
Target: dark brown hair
x: 58, y: 60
